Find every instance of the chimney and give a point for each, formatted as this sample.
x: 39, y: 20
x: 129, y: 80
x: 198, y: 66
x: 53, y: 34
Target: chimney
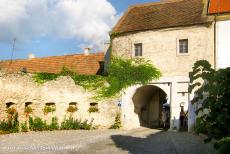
x: 31, y: 56
x: 86, y: 51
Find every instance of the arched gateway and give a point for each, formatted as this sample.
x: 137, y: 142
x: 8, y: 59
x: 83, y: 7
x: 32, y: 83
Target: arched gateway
x: 142, y: 105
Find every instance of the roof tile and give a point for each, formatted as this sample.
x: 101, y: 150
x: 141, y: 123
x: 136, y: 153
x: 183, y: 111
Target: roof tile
x: 78, y: 63
x: 158, y: 15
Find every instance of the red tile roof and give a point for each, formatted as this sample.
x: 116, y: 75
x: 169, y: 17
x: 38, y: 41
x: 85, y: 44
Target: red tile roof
x: 78, y: 63
x: 156, y: 15
x: 219, y: 6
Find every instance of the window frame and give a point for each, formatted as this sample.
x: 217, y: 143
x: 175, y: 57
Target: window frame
x: 139, y: 53
x: 178, y: 46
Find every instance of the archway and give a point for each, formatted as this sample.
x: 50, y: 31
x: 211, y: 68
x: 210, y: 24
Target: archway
x: 149, y: 102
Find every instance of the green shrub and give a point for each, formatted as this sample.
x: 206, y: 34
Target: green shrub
x: 38, y: 124
x: 85, y: 125
x: 93, y: 109
x: 200, y: 126
x: 31, y: 123
x: 5, y: 126
x: 117, y: 123
x: 11, y: 125
x: 24, y: 127
x: 72, y: 123
x: 54, y: 124
x: 223, y: 145
x: 214, y: 94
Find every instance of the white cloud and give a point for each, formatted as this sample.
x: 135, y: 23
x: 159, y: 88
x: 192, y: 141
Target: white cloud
x: 86, y: 20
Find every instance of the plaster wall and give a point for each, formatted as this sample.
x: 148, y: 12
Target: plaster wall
x: 222, y: 43
x: 161, y: 47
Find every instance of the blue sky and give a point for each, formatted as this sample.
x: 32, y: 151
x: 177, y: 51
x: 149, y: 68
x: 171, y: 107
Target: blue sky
x: 57, y: 27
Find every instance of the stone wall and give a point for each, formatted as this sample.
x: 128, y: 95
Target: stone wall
x: 21, y: 89
x: 161, y: 47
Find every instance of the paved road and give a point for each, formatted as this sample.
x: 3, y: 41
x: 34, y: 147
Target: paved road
x: 138, y: 141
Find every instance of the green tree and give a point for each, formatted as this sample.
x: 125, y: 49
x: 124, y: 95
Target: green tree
x: 213, y: 90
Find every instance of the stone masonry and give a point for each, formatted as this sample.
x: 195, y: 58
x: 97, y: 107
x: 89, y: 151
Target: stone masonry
x: 20, y: 89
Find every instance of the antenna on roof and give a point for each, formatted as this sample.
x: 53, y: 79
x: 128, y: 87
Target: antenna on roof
x: 12, y: 53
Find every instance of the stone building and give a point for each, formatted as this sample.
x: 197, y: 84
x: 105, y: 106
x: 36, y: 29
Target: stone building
x: 220, y: 11
x: 173, y: 35
x: 18, y: 89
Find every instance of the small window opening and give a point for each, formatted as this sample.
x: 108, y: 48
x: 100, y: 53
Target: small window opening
x: 72, y: 107
x: 138, y: 49
x: 28, y: 109
x: 49, y: 107
x: 93, y: 107
x: 183, y: 46
x: 28, y: 104
x: 9, y: 104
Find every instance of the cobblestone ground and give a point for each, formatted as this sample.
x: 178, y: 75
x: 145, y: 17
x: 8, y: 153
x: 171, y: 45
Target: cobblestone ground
x: 138, y: 141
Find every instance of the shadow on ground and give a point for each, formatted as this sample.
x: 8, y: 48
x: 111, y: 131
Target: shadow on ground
x: 163, y: 142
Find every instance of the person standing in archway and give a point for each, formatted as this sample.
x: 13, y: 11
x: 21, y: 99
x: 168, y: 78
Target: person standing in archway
x: 182, y: 116
x: 164, y: 117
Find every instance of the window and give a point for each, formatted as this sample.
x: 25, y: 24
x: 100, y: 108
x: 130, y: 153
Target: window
x: 9, y: 104
x: 49, y: 107
x: 183, y: 46
x: 28, y: 104
x: 72, y: 107
x: 93, y: 107
x: 138, y: 49
x: 28, y: 108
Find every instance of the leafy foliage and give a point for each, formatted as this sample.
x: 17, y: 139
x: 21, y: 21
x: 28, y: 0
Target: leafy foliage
x: 117, y: 123
x: 72, y: 109
x: 37, y: 124
x: 223, y: 145
x: 47, y: 109
x: 28, y: 110
x: 11, y: 111
x: 214, y: 93
x: 72, y: 123
x: 43, y: 77
x: 93, y: 109
x: 122, y: 73
x: 54, y: 124
x: 24, y: 127
x: 11, y: 125
x: 114, y: 34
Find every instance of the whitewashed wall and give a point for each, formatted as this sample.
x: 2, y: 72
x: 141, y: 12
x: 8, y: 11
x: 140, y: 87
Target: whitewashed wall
x: 223, y: 44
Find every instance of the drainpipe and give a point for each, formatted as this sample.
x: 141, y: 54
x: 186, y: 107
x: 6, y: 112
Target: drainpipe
x: 215, y: 45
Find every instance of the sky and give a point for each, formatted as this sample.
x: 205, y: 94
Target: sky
x: 57, y: 27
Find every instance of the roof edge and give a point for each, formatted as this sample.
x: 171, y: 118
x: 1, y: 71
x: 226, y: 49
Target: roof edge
x: 207, y: 23
x: 92, y: 54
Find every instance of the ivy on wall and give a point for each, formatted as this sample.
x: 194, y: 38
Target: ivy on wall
x: 122, y: 73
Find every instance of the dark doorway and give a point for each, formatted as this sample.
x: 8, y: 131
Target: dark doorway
x: 148, y: 104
